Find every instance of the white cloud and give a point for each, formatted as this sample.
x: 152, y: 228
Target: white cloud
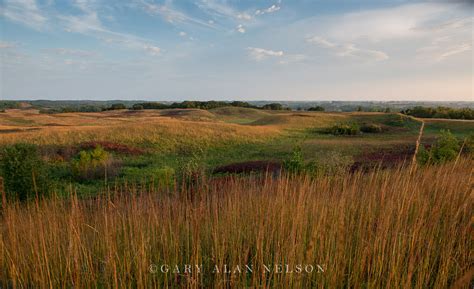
x: 240, y: 28
x: 182, y: 34
x: 260, y: 54
x: 152, y: 50
x: 321, y: 41
x: 244, y: 16
x: 352, y: 50
x: 221, y: 9
x: 348, y: 49
x: 25, y: 12
x: 170, y: 14
x: 271, y: 9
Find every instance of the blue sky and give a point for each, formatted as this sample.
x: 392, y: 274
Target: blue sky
x: 239, y: 50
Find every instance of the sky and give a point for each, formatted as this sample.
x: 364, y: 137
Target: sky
x: 236, y: 50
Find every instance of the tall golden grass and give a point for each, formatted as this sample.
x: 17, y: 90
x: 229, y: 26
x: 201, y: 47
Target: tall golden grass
x: 383, y: 229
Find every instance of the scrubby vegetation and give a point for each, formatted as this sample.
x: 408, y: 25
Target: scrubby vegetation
x: 446, y: 148
x: 344, y: 129
x: 316, y: 108
x: 371, y: 128
x: 440, y: 112
x: 23, y: 172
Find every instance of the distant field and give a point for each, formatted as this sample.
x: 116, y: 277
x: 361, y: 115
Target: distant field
x: 221, y: 136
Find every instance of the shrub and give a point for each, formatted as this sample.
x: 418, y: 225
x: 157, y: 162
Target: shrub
x: 137, y: 107
x: 23, y: 171
x: 445, y: 149
x: 295, y: 164
x: 316, y: 108
x: 274, y: 106
x: 94, y: 164
x: 371, y: 128
x: 345, y: 129
x: 116, y: 106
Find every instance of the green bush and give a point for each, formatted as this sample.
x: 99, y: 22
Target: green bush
x: 295, y: 164
x: 446, y: 148
x: 137, y: 107
x: 344, y: 129
x: 24, y: 172
x: 93, y: 164
x: 371, y: 128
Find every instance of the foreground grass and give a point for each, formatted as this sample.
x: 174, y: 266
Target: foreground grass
x: 385, y: 229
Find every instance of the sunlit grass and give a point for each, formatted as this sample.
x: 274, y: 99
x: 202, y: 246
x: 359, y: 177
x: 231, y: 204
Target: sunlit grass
x: 384, y: 229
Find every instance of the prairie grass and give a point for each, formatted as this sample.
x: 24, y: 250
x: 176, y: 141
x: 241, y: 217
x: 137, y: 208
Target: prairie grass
x: 383, y: 229
x: 163, y: 134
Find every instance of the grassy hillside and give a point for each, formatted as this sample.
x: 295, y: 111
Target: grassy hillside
x: 169, y: 140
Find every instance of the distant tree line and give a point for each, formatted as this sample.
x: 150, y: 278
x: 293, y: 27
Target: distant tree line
x: 158, y: 105
x: 440, y: 112
x: 206, y: 105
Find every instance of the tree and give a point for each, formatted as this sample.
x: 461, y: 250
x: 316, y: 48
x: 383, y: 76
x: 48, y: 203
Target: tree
x: 23, y: 171
x: 273, y: 106
x: 316, y: 108
x: 137, y: 106
x: 117, y: 106
x: 446, y: 147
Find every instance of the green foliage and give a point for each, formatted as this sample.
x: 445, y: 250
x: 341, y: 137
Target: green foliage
x: 274, y: 106
x: 423, y: 156
x: 117, y: 106
x: 445, y: 149
x: 469, y: 145
x: 344, y: 129
x: 8, y: 104
x: 164, y: 176
x: 440, y: 112
x: 295, y: 164
x: 371, y: 128
x: 316, y: 108
x: 91, y: 164
x: 137, y: 106
x: 23, y: 171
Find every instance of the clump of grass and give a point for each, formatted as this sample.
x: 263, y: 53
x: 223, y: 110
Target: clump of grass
x: 371, y: 128
x: 385, y: 229
x: 344, y: 129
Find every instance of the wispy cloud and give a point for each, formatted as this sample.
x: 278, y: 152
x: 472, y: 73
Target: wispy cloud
x: 221, y: 9
x: 455, y: 50
x: 153, y: 50
x: 260, y: 54
x: 172, y: 15
x: 25, y: 12
x: 89, y: 23
x: 271, y: 9
x: 348, y: 49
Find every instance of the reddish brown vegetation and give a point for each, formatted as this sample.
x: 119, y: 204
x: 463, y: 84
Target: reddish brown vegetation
x: 248, y: 167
